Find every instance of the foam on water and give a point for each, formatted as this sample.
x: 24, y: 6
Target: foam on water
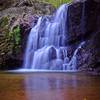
x: 37, y: 71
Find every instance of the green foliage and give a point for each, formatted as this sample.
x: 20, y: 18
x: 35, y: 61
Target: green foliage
x: 57, y: 3
x: 16, y: 34
x: 10, y: 39
x: 13, y: 35
x: 15, y: 38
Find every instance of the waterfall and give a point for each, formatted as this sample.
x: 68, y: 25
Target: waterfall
x: 46, y: 47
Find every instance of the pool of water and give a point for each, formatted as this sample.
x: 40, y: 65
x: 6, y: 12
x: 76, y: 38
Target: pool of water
x: 49, y: 86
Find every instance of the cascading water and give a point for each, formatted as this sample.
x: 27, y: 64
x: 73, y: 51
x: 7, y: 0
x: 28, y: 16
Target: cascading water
x: 46, y: 44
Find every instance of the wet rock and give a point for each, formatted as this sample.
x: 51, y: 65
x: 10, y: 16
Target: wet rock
x: 83, y: 25
x: 52, y: 53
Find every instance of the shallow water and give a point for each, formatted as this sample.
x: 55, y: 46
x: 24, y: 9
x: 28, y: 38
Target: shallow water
x: 49, y: 86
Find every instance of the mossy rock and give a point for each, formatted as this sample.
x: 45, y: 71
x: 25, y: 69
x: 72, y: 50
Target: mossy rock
x: 4, y: 21
x: 9, y: 40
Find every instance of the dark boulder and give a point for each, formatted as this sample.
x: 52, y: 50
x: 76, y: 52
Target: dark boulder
x: 52, y: 53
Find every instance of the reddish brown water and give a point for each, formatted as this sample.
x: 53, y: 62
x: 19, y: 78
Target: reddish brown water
x: 49, y: 86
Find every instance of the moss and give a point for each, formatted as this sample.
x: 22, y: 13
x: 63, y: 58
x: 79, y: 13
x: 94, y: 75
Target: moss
x: 57, y: 3
x: 10, y: 40
x: 15, y: 34
x: 15, y: 38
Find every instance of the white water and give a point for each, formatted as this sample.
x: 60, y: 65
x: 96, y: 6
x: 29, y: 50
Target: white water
x: 46, y: 48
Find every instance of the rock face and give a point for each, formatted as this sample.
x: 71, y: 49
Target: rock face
x: 16, y: 19
x: 15, y: 7
x: 84, y: 25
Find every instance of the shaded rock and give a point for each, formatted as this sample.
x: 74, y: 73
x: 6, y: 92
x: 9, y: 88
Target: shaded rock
x: 83, y: 20
x: 10, y: 63
x: 52, y: 53
x: 84, y: 25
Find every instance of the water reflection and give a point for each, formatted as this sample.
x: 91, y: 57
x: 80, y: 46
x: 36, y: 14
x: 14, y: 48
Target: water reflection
x: 44, y: 85
x: 49, y: 86
x: 47, y: 83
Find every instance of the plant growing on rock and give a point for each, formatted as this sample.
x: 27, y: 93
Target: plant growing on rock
x: 15, y: 38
